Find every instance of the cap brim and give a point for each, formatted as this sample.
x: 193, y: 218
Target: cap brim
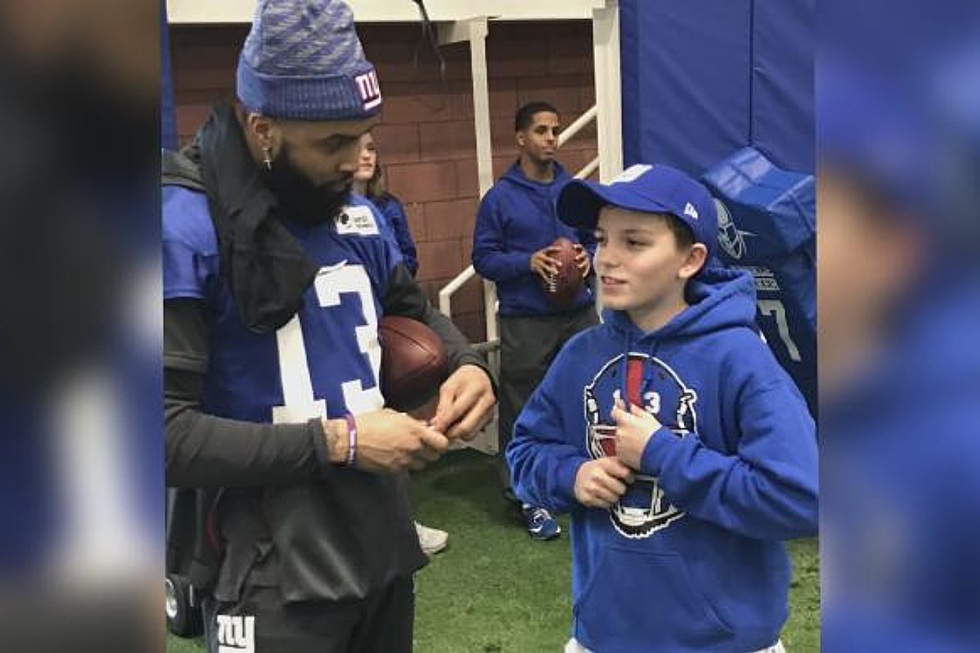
x: 580, y: 201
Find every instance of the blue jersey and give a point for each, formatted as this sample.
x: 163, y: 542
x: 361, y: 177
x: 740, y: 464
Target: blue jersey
x: 326, y: 360
x: 766, y: 225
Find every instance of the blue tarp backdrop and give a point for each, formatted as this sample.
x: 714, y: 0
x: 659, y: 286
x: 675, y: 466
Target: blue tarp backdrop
x: 727, y: 86
x: 703, y: 78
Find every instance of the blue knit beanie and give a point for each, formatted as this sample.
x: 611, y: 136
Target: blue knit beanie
x: 302, y: 60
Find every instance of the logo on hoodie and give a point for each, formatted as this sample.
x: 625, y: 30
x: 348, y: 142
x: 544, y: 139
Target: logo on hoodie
x: 650, y: 383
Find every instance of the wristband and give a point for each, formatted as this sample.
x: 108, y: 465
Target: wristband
x: 351, y: 439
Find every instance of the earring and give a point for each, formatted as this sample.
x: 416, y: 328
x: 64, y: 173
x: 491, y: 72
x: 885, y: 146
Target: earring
x: 268, y: 157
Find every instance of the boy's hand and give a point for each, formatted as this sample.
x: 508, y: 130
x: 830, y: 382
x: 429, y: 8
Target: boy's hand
x: 633, y: 430
x: 600, y: 483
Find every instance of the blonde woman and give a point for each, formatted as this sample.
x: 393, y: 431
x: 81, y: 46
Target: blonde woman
x: 369, y: 182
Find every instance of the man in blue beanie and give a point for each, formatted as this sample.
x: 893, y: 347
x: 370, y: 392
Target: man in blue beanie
x: 292, y: 514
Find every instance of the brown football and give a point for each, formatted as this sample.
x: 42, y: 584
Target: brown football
x: 413, y: 362
x: 564, y: 287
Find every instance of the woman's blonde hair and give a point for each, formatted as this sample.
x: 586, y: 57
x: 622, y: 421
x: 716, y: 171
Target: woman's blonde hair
x: 376, y: 187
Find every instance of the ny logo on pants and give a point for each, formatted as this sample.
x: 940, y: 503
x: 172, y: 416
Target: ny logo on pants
x: 236, y: 634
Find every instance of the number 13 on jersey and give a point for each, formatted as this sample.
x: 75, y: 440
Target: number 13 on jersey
x: 299, y: 402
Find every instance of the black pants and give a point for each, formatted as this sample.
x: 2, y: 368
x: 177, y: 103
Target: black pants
x: 528, y: 345
x: 261, y: 623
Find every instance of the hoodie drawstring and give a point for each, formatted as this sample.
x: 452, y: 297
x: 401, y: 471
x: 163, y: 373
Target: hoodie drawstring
x: 648, y: 373
x: 624, y: 369
x: 647, y: 380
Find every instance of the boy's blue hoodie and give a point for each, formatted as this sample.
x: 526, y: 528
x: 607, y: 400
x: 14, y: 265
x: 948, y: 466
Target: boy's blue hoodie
x: 691, y: 559
x: 517, y: 218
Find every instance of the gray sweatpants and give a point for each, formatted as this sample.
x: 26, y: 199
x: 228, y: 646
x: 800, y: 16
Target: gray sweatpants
x: 528, y: 345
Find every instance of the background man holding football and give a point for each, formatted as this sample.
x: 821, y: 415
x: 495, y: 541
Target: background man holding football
x: 293, y: 510
x: 541, y: 305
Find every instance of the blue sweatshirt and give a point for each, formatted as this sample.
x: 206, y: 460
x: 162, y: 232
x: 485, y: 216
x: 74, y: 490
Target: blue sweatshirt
x: 394, y: 213
x: 691, y: 558
x: 517, y: 218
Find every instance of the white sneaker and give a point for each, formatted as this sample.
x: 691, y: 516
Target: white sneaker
x: 432, y: 540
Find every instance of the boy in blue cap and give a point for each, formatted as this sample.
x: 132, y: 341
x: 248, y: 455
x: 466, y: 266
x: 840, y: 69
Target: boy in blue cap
x: 682, y: 450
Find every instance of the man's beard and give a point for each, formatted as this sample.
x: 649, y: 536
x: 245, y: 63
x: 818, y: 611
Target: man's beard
x: 299, y: 198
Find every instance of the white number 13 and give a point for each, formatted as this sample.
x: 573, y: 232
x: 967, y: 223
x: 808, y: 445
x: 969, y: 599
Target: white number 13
x: 299, y: 403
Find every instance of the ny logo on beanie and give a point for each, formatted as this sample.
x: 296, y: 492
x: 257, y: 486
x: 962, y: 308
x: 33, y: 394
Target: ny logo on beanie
x: 302, y: 60
x: 370, y: 90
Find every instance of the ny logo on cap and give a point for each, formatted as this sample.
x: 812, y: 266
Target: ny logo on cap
x: 631, y: 173
x: 689, y: 210
x: 370, y: 90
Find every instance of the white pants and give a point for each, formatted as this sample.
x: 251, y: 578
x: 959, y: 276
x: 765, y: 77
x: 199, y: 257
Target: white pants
x: 573, y: 646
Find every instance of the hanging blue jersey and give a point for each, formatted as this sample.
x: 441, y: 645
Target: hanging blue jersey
x: 326, y: 360
x: 766, y: 224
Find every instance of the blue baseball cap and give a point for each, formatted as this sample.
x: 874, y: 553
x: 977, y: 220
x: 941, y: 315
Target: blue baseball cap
x: 648, y: 188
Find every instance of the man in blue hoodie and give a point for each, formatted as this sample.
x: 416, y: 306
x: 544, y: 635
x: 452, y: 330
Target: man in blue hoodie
x: 515, y: 228
x: 683, y: 451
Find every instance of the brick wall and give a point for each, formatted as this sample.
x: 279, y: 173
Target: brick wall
x: 426, y: 137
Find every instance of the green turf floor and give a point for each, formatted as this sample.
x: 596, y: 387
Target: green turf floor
x: 496, y: 590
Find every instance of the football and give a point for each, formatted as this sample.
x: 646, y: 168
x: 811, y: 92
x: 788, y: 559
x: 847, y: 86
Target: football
x: 413, y: 362
x: 562, y: 288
